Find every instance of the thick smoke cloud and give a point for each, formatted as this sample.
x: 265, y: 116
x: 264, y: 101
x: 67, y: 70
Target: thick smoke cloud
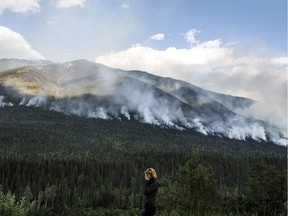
x: 144, y: 106
x: 223, y: 68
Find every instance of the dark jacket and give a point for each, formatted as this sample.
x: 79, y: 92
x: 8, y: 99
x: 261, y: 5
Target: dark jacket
x: 150, y: 190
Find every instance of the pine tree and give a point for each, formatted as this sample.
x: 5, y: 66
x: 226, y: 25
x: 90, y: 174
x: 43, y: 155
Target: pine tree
x: 197, y: 187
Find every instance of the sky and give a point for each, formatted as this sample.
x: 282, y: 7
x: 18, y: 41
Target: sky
x: 231, y: 47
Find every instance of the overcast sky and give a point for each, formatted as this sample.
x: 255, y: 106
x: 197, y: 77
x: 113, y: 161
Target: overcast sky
x: 232, y: 47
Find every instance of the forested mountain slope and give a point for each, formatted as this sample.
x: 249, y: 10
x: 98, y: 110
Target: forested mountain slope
x: 95, y: 91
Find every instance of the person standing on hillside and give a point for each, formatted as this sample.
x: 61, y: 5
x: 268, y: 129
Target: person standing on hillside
x: 151, y: 185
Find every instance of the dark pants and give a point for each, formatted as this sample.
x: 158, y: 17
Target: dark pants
x: 149, y: 211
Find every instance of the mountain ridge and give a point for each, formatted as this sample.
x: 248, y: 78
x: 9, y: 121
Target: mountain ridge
x: 90, y: 89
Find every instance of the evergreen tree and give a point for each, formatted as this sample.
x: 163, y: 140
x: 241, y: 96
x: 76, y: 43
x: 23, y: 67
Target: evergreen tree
x: 197, y: 187
x: 267, y: 191
x: 10, y: 207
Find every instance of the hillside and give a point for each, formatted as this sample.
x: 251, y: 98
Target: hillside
x: 33, y: 130
x: 95, y: 91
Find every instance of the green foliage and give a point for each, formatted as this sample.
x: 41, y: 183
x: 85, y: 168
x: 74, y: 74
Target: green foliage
x: 10, y: 207
x: 27, y: 130
x: 266, y: 189
x: 74, y: 166
x: 102, y: 212
x: 168, y: 197
x: 231, y: 200
x: 197, y: 187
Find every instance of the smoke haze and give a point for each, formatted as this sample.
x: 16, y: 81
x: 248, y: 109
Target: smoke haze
x: 224, y: 68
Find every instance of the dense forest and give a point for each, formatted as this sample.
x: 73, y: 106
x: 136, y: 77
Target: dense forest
x: 56, y: 164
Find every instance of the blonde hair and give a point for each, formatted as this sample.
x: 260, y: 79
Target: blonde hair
x: 151, y: 172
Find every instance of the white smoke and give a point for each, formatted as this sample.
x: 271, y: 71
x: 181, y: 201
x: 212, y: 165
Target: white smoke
x: 37, y: 101
x: 147, y: 115
x: 156, y: 112
x: 22, y: 102
x: 199, y: 127
x: 124, y: 111
x: 99, y: 113
x: 3, y: 103
x: 231, y: 68
x: 280, y: 141
x: 255, y: 131
x: 55, y: 107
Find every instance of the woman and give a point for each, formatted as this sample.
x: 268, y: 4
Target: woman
x: 151, y: 185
